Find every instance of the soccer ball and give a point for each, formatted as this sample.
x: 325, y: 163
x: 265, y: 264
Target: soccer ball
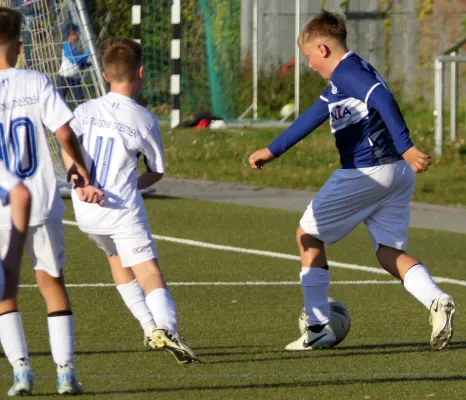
x: 217, y: 124
x: 286, y: 110
x: 339, y: 320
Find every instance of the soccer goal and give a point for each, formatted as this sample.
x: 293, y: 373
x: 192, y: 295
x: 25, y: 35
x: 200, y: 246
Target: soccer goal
x: 46, y: 27
x: 452, y: 58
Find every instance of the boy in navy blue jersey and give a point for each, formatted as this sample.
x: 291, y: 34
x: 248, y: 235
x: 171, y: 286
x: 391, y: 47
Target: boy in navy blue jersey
x: 374, y: 185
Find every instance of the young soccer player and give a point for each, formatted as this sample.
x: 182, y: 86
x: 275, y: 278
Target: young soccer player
x: 13, y: 192
x: 27, y: 101
x: 374, y: 185
x: 114, y: 131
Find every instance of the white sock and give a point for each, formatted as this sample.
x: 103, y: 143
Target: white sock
x: 61, y: 335
x: 163, y: 308
x: 135, y: 299
x: 314, y: 282
x: 420, y: 284
x: 12, y: 337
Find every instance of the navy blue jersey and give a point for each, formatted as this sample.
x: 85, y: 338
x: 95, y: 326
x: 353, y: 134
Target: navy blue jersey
x: 365, y: 120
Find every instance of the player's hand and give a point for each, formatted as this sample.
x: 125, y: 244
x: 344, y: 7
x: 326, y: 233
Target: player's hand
x: 418, y: 160
x: 78, y: 176
x: 91, y: 194
x: 259, y: 158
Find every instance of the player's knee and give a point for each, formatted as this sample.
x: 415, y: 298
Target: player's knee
x: 21, y: 194
x: 48, y: 282
x: 307, y: 241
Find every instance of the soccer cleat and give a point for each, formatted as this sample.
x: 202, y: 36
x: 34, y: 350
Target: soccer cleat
x: 23, y: 381
x: 312, y: 340
x: 441, y: 318
x: 67, y: 382
x: 164, y: 339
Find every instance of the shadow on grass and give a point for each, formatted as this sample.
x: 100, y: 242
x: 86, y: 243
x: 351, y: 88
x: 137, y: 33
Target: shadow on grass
x: 88, y: 353
x: 280, y: 385
x: 344, y: 351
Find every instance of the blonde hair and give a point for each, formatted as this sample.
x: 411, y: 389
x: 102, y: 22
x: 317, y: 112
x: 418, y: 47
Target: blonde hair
x: 122, y: 59
x: 324, y: 24
x: 10, y: 25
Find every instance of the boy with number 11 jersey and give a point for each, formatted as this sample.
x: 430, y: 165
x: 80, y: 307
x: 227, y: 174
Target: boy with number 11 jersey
x: 115, y: 131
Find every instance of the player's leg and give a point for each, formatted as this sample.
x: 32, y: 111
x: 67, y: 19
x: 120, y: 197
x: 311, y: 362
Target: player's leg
x: 388, y: 228
x: 12, y: 336
x: 75, y: 88
x: 137, y: 251
x: 340, y: 205
x: 133, y: 295
x: 418, y: 281
x: 62, y: 86
x: 47, y: 249
x: 326, y: 220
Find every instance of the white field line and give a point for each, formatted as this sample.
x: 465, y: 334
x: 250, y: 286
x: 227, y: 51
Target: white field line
x: 273, y: 254
x: 278, y: 283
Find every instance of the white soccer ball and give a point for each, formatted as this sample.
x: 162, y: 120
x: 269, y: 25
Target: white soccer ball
x: 339, y: 320
x: 217, y: 124
x: 286, y: 110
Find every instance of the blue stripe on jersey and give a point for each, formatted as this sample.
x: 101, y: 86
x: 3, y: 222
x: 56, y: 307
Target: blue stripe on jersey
x: 368, y: 126
x: 106, y: 162
x: 95, y: 159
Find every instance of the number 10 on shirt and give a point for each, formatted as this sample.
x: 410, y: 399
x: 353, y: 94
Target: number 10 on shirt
x: 30, y: 151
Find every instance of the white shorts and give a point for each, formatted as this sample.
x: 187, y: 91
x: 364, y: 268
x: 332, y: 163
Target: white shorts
x: 134, y: 247
x: 45, y: 244
x: 379, y: 196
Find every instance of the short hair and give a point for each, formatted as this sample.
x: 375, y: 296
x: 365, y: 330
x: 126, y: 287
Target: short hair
x: 10, y: 25
x: 326, y: 24
x: 72, y: 29
x: 121, y: 58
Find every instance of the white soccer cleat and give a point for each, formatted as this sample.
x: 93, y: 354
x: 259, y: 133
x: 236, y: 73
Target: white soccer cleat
x: 164, y: 339
x: 23, y: 381
x: 441, y: 318
x: 67, y: 382
x: 313, y: 341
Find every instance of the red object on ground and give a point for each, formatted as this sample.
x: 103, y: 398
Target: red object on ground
x: 203, y: 123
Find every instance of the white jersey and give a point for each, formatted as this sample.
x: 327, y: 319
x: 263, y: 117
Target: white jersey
x: 28, y: 101
x: 114, y: 131
x: 7, y: 182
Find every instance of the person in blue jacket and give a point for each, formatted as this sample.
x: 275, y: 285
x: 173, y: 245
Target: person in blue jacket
x: 69, y: 74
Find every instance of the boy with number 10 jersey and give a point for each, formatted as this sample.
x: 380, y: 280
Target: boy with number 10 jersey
x: 28, y: 100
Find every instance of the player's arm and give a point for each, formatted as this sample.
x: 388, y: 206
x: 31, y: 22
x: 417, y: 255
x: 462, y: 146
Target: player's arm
x: 306, y: 123
x: 89, y: 193
x: 384, y: 102
x: 12, y: 191
x: 154, y: 158
x: 363, y: 86
x: 72, y: 149
x: 74, y: 58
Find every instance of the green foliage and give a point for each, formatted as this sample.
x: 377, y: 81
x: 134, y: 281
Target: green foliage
x: 274, y: 91
x: 120, y: 23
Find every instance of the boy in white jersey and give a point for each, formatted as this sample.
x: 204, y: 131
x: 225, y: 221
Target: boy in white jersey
x: 27, y: 101
x: 14, y: 193
x: 374, y: 185
x: 114, y: 131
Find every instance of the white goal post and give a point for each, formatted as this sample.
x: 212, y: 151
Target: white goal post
x: 440, y: 62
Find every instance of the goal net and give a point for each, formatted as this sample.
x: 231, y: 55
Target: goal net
x: 47, y: 25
